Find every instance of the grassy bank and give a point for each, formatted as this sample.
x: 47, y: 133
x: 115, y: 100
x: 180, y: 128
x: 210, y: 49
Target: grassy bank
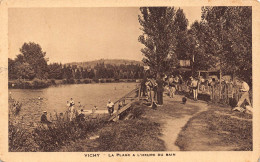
x: 217, y: 129
x: 135, y: 134
x: 52, y: 137
x: 38, y: 83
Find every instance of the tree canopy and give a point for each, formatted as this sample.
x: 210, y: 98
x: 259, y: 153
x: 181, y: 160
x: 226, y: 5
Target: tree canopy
x: 158, y: 37
x: 222, y: 39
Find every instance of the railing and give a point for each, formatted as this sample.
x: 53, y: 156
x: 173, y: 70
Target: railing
x: 217, y: 94
x: 128, y: 94
x: 125, y: 105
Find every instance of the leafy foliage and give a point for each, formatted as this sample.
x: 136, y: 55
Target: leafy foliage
x: 230, y: 31
x: 32, y: 64
x: 158, y: 37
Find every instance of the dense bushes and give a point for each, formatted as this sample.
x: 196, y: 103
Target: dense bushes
x: 62, y: 132
x: 51, y: 137
x: 20, y: 140
x: 86, y: 81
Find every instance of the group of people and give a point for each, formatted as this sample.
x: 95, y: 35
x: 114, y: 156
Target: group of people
x: 111, y: 106
x: 73, y: 113
x: 153, y: 89
x: 174, y: 84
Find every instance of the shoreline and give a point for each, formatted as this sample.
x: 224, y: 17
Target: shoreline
x: 171, y: 118
x: 41, y: 84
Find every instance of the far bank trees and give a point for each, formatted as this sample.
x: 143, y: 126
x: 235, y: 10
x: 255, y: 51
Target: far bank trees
x: 31, y: 64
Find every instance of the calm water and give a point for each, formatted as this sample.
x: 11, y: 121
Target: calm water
x: 55, y: 98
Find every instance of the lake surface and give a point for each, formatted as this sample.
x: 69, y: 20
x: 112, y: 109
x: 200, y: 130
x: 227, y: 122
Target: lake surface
x: 55, y: 98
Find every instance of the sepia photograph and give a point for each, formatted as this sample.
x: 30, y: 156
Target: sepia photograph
x: 111, y: 79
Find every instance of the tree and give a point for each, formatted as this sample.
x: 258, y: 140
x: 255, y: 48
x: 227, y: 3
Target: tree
x: 12, y: 71
x: 25, y: 71
x: 32, y: 54
x: 231, y: 33
x: 158, y: 37
x: 199, y: 49
x: 77, y: 74
x: 180, y: 26
x: 55, y: 71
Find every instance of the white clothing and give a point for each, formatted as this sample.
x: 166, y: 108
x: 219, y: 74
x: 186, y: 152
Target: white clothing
x: 194, y: 83
x: 245, y: 87
x: 110, y: 105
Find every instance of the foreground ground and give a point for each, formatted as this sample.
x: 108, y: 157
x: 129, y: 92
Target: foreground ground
x: 194, y: 126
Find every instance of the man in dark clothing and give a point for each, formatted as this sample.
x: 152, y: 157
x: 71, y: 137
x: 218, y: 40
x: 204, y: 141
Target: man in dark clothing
x: 44, y: 119
x: 80, y: 119
x: 81, y: 116
x: 143, y: 86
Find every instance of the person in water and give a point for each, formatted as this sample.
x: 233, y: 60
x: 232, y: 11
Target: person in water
x: 72, y: 103
x: 68, y: 104
x: 110, y: 107
x: 94, y: 109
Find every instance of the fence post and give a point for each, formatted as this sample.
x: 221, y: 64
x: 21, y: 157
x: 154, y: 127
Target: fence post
x: 139, y: 93
x: 220, y: 78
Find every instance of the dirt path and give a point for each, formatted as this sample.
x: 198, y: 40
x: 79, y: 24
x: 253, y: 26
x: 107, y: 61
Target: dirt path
x: 173, y: 115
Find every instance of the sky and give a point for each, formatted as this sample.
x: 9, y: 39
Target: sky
x: 80, y: 34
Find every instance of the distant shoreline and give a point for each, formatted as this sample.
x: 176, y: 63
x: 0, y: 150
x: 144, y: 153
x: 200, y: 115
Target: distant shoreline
x: 40, y: 84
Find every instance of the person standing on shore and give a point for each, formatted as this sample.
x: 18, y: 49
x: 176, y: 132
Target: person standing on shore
x: 245, y: 94
x: 120, y: 105
x: 153, y: 90
x: 143, y: 86
x: 171, y: 86
x: 176, y: 82
x: 148, y: 89
x: 194, y: 85
x: 71, y: 110
x: 212, y: 83
x: 110, y: 107
x: 71, y: 113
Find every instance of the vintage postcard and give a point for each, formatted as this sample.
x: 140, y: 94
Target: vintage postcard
x: 129, y: 81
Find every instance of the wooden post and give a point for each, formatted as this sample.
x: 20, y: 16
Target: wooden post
x: 220, y: 77
x: 139, y: 93
x: 199, y: 82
